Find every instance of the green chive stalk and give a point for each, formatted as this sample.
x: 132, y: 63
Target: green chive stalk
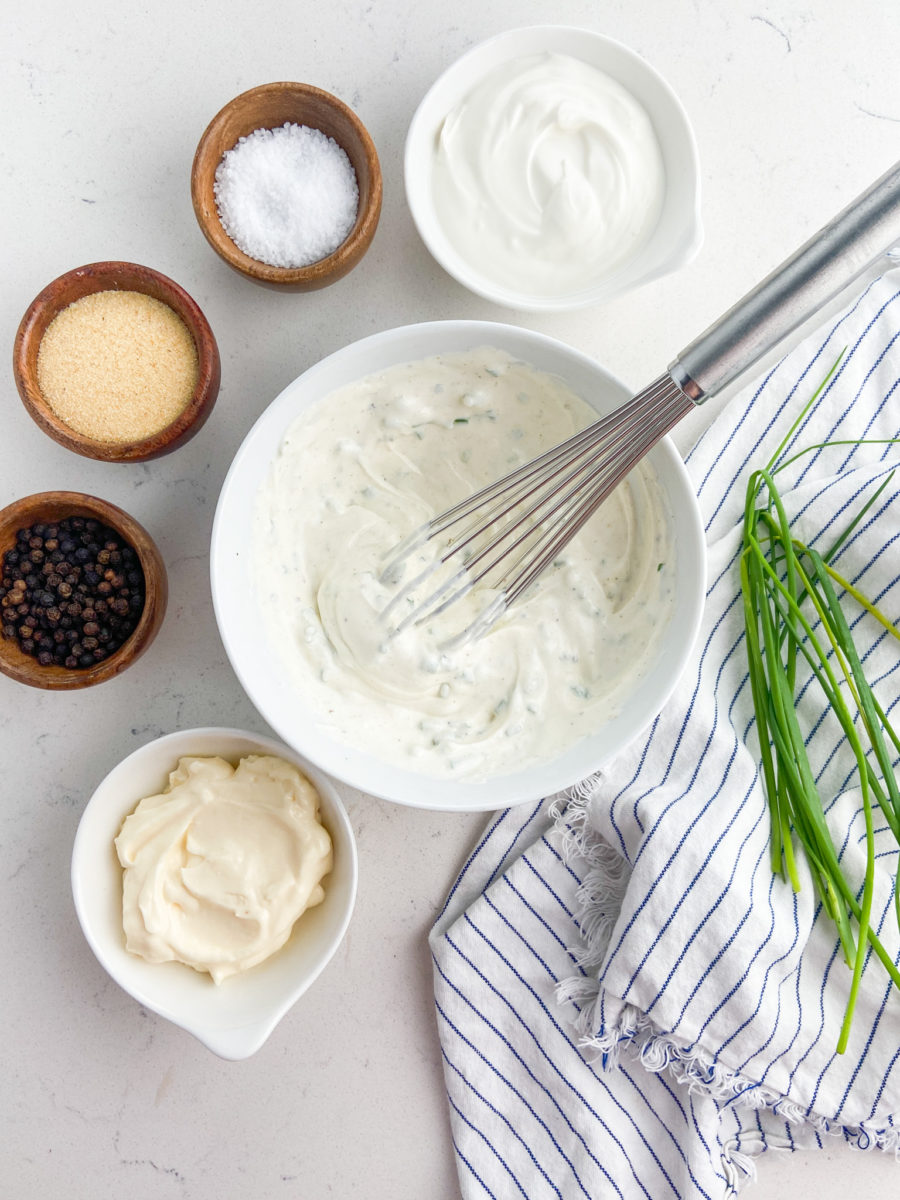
x: 793, y: 603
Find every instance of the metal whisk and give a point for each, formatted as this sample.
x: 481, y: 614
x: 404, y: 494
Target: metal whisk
x: 505, y: 535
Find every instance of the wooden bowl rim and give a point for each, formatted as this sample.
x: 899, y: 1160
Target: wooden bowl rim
x: 28, y: 510
x: 357, y: 241
x: 125, y: 276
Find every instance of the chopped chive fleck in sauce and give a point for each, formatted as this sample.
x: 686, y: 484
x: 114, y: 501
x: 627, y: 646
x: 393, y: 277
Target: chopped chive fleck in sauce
x: 411, y: 441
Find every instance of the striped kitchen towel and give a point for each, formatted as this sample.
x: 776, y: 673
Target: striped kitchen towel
x: 629, y: 1003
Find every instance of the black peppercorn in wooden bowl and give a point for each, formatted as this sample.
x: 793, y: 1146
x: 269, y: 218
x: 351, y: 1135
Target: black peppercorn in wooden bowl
x: 117, y: 362
x: 83, y: 590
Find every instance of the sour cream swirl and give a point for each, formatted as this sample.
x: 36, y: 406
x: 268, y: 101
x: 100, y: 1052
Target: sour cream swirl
x: 547, y: 175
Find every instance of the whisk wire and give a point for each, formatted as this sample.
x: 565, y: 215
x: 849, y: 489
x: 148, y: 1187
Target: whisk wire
x: 519, y: 524
x: 585, y: 508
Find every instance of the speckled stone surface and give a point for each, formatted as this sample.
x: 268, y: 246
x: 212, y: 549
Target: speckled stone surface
x: 796, y: 109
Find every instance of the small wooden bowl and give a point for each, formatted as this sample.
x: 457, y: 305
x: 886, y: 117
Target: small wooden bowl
x: 47, y: 507
x: 103, y: 277
x: 268, y: 107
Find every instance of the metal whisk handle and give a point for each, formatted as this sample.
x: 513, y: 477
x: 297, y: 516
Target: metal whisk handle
x: 856, y: 242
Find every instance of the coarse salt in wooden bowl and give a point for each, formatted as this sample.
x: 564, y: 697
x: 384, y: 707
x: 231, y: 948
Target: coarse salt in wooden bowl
x: 116, y: 277
x: 48, y: 508
x: 271, y: 106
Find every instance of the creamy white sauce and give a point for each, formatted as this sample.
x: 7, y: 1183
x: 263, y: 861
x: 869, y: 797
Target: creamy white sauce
x: 547, y: 175
x: 362, y: 468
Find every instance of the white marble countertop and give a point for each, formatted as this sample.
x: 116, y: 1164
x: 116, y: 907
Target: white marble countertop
x: 796, y: 109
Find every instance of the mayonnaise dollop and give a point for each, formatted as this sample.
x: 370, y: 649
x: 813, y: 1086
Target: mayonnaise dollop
x: 219, y: 866
x: 362, y: 468
x: 547, y: 175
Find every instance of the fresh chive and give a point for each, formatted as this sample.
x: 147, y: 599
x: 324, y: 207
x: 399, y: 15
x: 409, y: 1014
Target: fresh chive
x: 793, y: 604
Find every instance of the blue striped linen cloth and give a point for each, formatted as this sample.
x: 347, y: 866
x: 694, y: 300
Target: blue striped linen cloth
x: 629, y: 1003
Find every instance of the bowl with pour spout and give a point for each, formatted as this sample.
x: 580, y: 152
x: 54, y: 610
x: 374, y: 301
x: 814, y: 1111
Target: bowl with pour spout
x: 511, y: 184
x: 233, y: 1019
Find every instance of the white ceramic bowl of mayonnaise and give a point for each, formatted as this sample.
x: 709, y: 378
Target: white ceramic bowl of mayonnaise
x: 261, y: 665
x: 234, y: 1018
x: 482, y: 170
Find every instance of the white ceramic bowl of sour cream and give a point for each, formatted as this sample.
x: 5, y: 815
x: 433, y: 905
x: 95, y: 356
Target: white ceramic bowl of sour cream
x: 262, y: 668
x: 677, y: 234
x: 236, y: 1017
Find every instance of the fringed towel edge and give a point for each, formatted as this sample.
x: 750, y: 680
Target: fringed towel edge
x: 605, y: 875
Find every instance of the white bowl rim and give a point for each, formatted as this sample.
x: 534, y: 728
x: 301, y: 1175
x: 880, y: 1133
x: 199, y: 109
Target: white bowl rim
x: 240, y: 1040
x: 683, y: 248
x: 376, y: 777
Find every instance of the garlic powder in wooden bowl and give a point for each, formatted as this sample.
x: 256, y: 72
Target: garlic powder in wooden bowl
x: 117, y: 366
